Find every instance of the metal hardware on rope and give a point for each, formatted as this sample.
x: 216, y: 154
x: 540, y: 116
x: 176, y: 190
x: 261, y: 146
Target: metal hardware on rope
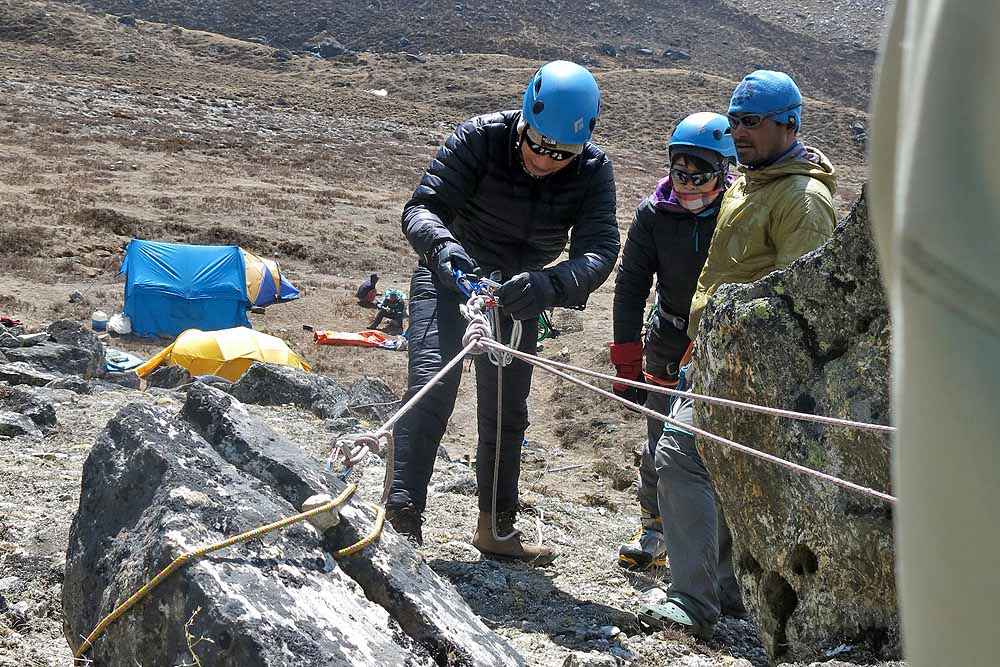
x: 552, y: 368
x: 483, y: 313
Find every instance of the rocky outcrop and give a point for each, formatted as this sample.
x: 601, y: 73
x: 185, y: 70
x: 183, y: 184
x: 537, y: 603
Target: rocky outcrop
x: 168, y: 377
x: 56, y: 358
x: 272, y: 384
x: 74, y: 334
x: 209, y: 473
x: 26, y: 402
x: 816, y: 562
x: 19, y: 372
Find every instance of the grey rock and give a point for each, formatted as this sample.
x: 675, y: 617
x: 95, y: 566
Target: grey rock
x: 391, y: 574
x: 580, y: 659
x: 459, y: 479
x: 676, y: 54
x: 3, y: 358
x: 282, y: 55
x: 815, y: 561
x: 273, y: 384
x: 372, y: 399
x: 607, y: 49
x: 11, y: 584
x: 68, y: 332
x: 127, y: 379
x: 19, y: 372
x: 27, y: 340
x: 73, y: 384
x: 331, y: 48
x: 13, y: 424
x: 182, y: 494
x: 28, y: 403
x: 76, y: 296
x: 56, y: 357
x: 8, y: 339
x: 168, y: 377
x: 128, y: 20
x: 644, y: 52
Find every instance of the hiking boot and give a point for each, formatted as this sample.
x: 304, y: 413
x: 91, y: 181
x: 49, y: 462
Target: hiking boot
x: 510, y: 549
x: 407, y: 521
x: 646, y: 549
x: 669, y: 613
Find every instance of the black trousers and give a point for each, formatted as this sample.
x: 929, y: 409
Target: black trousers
x: 435, y: 337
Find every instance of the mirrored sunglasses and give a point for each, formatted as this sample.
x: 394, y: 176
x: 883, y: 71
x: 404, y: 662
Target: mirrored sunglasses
x: 752, y: 120
x: 685, y: 178
x: 553, y: 153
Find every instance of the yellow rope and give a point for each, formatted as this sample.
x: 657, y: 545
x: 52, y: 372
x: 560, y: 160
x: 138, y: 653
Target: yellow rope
x: 183, y: 559
x: 367, y: 539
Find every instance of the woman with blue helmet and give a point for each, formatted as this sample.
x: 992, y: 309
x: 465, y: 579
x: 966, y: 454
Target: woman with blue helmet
x: 505, y: 193
x: 669, y: 240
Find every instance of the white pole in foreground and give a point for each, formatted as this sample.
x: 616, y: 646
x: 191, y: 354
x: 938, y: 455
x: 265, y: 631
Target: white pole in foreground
x: 936, y: 212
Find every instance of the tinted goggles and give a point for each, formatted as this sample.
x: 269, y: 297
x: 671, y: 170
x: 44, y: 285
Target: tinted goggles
x: 752, y: 120
x: 553, y: 153
x: 685, y: 178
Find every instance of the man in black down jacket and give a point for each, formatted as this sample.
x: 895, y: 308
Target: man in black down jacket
x: 504, y: 194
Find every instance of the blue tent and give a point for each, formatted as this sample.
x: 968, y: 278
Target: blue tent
x: 170, y: 287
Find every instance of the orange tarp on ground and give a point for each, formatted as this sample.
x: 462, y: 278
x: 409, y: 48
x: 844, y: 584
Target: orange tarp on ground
x: 370, y: 338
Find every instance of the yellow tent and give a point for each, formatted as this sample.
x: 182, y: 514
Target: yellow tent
x: 226, y: 353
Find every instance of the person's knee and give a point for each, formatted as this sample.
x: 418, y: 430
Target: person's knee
x: 676, y: 458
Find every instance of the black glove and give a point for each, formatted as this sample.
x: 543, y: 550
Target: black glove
x: 448, y: 257
x: 526, y: 295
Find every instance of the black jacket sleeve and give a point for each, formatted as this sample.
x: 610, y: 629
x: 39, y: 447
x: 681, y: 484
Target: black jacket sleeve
x: 594, y: 242
x: 634, y: 280
x: 444, y: 188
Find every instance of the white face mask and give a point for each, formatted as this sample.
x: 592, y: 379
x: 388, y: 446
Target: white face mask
x: 697, y: 201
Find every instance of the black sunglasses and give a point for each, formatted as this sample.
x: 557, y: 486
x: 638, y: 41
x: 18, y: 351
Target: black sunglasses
x: 544, y: 151
x: 684, y: 177
x: 752, y: 120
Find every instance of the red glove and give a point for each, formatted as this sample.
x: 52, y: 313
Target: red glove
x: 627, y: 358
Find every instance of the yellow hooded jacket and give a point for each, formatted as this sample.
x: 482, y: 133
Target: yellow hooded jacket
x: 769, y: 217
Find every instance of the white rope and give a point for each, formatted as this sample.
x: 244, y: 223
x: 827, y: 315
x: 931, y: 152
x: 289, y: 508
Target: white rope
x: 777, y: 412
x: 551, y: 367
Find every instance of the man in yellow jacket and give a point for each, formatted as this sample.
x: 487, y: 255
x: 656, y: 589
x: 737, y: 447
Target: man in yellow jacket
x: 781, y: 206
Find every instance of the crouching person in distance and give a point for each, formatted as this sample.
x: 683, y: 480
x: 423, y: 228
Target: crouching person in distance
x: 668, y: 240
x: 504, y: 194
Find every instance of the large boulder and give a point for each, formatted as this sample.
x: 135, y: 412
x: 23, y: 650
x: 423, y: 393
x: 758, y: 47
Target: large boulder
x: 68, y: 332
x: 19, y: 372
x: 275, y: 600
x: 427, y: 607
x: 273, y: 384
x: 816, y: 561
x: 210, y: 473
x: 13, y: 424
x: 26, y: 402
x: 57, y: 358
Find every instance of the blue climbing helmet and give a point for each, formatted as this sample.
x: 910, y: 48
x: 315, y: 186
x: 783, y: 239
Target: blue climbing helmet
x: 773, y: 94
x: 562, y: 103
x: 704, y: 135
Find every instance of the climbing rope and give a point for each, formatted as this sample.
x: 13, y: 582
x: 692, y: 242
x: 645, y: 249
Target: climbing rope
x: 750, y: 407
x: 552, y: 368
x: 186, y: 558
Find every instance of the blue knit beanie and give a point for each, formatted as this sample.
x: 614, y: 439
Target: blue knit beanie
x: 766, y: 91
